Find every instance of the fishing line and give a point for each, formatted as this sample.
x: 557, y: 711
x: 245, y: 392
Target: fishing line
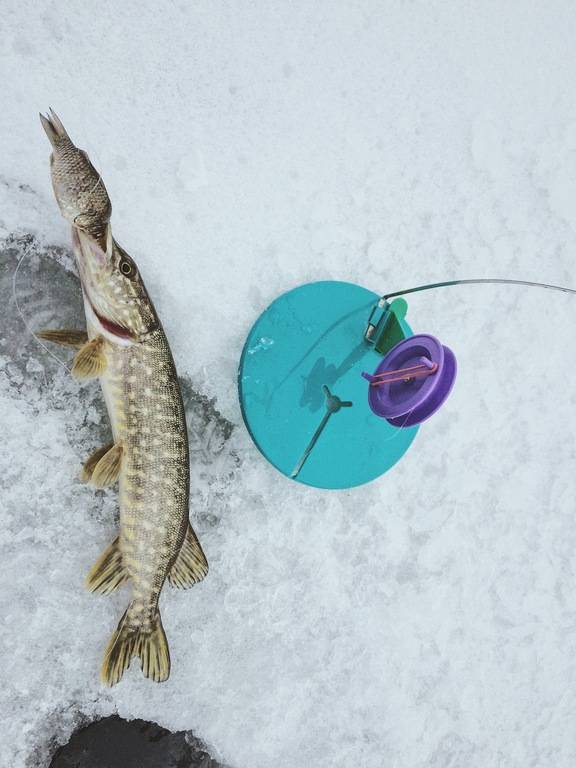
x: 400, y: 428
x: 98, y: 181
x: 383, y: 408
x: 477, y: 281
x: 30, y: 331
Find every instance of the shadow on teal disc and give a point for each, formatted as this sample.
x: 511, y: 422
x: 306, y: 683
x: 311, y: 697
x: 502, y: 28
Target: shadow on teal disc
x: 307, y: 346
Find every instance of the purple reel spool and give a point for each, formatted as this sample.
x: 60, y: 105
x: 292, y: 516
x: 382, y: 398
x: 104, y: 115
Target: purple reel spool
x: 423, y: 373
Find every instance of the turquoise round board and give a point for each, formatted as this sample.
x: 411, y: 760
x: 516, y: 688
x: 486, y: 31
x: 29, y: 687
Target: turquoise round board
x: 302, y: 395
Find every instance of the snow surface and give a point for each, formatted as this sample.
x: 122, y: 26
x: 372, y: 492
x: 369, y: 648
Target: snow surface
x: 427, y: 620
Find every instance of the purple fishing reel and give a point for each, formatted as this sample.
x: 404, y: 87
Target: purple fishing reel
x: 412, y: 381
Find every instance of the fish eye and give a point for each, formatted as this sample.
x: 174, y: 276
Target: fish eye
x: 126, y: 268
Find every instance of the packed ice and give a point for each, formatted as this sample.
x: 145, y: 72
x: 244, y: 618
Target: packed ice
x: 427, y: 620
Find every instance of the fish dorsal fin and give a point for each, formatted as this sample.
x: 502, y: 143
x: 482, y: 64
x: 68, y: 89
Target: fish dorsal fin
x: 64, y: 337
x: 107, y: 470
x: 191, y: 565
x: 91, y: 461
x: 90, y: 361
x: 108, y: 572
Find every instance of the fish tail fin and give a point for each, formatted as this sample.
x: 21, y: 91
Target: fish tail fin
x: 131, y: 639
x: 53, y: 127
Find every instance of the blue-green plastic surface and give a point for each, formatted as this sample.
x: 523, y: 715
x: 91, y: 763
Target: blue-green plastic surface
x: 310, y: 337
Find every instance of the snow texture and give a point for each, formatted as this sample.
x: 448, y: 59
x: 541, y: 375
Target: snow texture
x: 427, y: 620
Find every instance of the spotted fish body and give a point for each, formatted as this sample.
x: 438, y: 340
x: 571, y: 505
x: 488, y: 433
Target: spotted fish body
x: 147, y: 416
x: 125, y: 346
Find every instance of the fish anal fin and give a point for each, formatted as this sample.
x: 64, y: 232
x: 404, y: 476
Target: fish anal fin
x: 65, y: 337
x: 107, y: 469
x: 108, y: 572
x: 91, y: 461
x: 191, y: 565
x: 90, y: 361
x: 134, y: 638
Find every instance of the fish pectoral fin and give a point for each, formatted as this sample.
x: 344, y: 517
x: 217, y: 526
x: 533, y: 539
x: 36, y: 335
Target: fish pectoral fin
x: 107, y: 469
x: 133, y: 639
x: 90, y: 361
x: 65, y: 337
x: 191, y: 565
x: 91, y: 461
x: 108, y: 572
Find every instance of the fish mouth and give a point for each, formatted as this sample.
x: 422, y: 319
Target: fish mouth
x: 110, y: 325
x: 113, y: 328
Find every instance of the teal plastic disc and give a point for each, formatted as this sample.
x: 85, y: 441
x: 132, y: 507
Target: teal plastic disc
x: 302, y: 394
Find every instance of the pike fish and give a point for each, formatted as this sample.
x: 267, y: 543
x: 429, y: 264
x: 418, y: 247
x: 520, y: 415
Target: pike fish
x: 124, y: 346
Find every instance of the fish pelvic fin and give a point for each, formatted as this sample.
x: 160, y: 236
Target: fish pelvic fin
x: 132, y: 639
x: 92, y: 460
x: 66, y: 338
x: 108, y: 572
x: 90, y: 361
x: 107, y: 469
x: 191, y: 565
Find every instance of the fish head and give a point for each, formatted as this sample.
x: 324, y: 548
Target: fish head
x: 115, y: 296
x: 78, y: 187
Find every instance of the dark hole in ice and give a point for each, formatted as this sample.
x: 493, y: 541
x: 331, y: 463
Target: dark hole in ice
x: 117, y: 743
